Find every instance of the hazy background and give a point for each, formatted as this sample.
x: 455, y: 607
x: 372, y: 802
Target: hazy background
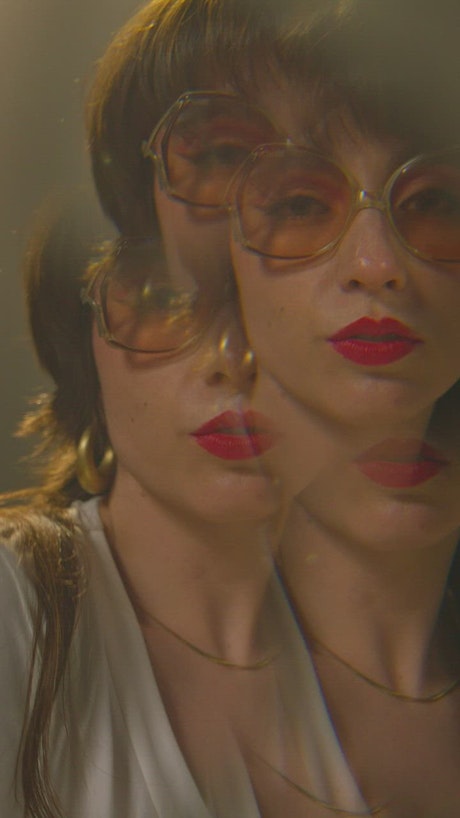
x: 47, y: 52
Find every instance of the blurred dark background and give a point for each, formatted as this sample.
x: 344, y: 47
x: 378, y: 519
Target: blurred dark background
x: 47, y: 53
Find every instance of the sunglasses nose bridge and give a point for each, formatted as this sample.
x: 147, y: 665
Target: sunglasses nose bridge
x: 366, y: 200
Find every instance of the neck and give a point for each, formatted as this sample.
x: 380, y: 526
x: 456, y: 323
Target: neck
x: 206, y: 580
x: 378, y: 610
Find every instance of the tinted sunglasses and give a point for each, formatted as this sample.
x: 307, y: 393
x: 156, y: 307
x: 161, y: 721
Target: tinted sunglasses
x: 139, y: 305
x: 216, y: 150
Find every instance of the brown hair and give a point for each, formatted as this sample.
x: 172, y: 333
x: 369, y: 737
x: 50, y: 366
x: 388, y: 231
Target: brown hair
x: 370, y: 54
x: 41, y: 529
x: 68, y: 234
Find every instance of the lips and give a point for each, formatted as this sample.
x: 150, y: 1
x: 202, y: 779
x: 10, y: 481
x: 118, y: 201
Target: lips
x: 401, y: 463
x: 235, y: 435
x: 371, y: 342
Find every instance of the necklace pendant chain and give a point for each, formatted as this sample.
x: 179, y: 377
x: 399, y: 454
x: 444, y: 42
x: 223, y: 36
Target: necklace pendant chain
x: 316, y: 800
x: 211, y: 657
x: 396, y: 694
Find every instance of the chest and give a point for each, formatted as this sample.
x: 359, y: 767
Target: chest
x: 403, y: 755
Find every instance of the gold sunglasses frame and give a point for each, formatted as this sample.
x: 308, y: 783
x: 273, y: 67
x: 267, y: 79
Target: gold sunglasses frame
x: 158, y: 153
x: 362, y: 199
x: 87, y: 297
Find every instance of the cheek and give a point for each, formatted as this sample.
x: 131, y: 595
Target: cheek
x: 443, y: 296
x: 304, y: 447
x: 135, y: 425
x: 273, y: 312
x: 257, y: 305
x: 196, y: 241
x: 124, y: 395
x: 138, y: 395
x: 114, y: 385
x: 379, y: 520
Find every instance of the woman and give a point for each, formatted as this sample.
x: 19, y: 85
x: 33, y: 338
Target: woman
x: 184, y: 508
x: 320, y: 77
x: 169, y: 567
x: 364, y: 300
x: 369, y: 558
x: 168, y: 570
x: 170, y: 48
x: 350, y: 293
x: 357, y: 321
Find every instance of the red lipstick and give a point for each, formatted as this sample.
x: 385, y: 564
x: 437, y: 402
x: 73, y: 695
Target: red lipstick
x: 401, y: 463
x: 371, y: 342
x: 235, y: 435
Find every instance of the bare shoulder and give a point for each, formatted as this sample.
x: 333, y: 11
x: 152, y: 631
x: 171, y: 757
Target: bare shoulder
x: 36, y: 546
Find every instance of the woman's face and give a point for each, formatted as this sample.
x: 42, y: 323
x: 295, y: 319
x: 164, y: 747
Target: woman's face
x: 181, y: 428
x: 301, y: 316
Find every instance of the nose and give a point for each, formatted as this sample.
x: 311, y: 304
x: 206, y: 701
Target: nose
x: 370, y: 256
x: 231, y: 362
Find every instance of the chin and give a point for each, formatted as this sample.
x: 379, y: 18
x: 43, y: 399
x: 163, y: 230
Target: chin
x: 369, y: 402
x: 416, y: 530
x: 242, y: 496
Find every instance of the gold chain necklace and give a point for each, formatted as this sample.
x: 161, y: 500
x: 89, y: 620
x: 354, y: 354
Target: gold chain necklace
x: 390, y: 691
x: 314, y: 798
x: 217, y: 660
x: 141, y: 613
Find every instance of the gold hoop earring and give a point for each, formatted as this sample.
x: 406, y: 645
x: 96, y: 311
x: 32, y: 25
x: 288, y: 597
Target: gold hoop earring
x: 94, y: 479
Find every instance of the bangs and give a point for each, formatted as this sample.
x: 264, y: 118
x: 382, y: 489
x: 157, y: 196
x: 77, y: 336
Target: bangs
x: 368, y: 57
x: 394, y: 65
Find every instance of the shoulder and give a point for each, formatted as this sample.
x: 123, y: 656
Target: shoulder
x: 18, y: 602
x: 34, y: 544
x: 39, y: 576
x: 17, y: 596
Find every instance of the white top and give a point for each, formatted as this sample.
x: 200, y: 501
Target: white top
x: 123, y: 759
